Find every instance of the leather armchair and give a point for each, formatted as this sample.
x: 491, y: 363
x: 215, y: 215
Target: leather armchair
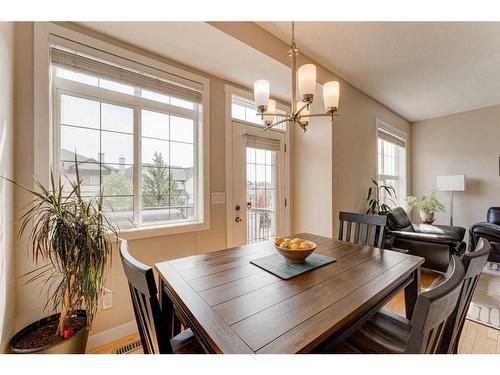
x: 490, y: 230
x: 435, y: 243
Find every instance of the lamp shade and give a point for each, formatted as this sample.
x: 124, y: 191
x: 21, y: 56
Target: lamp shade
x: 307, y: 79
x: 304, y: 114
x: 331, y: 94
x: 451, y: 183
x: 271, y: 108
x: 261, y: 92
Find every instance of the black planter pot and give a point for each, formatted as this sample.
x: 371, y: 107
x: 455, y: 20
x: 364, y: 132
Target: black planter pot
x: 76, y: 344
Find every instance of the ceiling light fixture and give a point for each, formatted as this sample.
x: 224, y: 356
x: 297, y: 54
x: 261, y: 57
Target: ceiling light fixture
x: 300, y: 113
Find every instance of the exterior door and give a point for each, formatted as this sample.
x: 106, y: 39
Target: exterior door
x: 258, y: 197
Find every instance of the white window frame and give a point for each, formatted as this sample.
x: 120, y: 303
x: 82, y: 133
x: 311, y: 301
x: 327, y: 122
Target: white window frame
x: 246, y: 94
x: 250, y: 103
x: 47, y: 33
x: 402, y: 166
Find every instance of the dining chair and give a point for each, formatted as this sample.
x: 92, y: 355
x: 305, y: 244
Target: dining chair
x: 368, y: 229
x: 473, y: 263
x: 390, y: 333
x: 151, y: 321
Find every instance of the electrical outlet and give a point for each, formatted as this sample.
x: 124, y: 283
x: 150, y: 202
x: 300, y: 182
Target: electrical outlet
x: 107, y: 299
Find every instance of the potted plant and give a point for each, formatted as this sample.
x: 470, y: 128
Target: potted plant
x: 374, y: 200
x: 377, y: 207
x: 74, y: 240
x: 427, y: 206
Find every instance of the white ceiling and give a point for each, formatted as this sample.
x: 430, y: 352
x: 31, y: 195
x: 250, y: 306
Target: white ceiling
x: 420, y: 70
x: 201, y: 46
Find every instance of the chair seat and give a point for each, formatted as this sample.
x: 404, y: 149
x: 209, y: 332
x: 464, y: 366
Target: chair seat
x: 186, y: 343
x: 385, y: 333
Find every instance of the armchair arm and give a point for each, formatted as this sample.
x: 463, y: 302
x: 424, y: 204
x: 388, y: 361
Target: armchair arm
x: 422, y: 236
x: 455, y: 233
x: 485, y: 229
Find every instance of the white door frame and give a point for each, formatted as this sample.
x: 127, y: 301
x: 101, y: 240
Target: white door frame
x: 229, y: 92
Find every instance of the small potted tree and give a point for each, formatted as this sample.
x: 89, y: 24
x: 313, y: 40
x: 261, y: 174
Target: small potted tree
x: 377, y: 207
x: 427, y: 206
x: 74, y: 240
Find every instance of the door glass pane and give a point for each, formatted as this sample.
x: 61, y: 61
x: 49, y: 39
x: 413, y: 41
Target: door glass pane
x: 261, y: 195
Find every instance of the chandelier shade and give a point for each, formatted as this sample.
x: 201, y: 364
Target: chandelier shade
x: 331, y: 94
x: 307, y: 81
x: 271, y: 108
x: 261, y: 93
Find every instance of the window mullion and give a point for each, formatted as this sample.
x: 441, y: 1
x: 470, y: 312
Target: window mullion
x: 137, y: 165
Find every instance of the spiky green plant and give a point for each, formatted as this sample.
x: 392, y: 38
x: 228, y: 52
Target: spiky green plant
x: 75, y: 238
x: 375, y: 205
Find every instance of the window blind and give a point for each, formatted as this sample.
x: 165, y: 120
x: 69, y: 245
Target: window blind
x: 391, y: 136
x: 85, y: 64
x: 262, y: 143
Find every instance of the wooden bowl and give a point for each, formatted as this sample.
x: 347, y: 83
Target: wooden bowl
x: 296, y: 256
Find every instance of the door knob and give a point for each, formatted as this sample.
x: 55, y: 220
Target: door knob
x: 237, y: 219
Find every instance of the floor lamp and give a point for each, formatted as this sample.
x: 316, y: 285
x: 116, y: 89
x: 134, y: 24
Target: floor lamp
x: 451, y: 183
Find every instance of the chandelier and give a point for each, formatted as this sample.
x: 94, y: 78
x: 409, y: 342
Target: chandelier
x: 300, y: 113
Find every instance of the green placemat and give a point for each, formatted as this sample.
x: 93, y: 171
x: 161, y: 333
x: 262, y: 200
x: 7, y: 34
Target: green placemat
x: 276, y: 265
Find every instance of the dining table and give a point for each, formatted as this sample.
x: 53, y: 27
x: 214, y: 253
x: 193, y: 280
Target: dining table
x: 233, y: 306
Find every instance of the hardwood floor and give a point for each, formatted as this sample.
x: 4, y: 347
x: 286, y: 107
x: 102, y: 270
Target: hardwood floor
x: 475, y: 339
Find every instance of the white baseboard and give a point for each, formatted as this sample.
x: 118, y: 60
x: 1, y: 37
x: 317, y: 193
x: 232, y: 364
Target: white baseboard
x: 112, y: 334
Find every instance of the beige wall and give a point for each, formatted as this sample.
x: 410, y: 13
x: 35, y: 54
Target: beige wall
x: 464, y: 143
x: 352, y: 143
x: 7, y: 274
x: 351, y: 140
x: 312, y: 176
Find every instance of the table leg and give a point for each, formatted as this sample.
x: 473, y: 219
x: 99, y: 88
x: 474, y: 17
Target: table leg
x: 168, y: 312
x: 411, y: 293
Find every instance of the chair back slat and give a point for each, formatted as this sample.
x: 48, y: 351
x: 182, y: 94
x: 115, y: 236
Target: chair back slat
x: 348, y: 232
x: 473, y: 263
x: 372, y: 236
x: 432, y: 310
x: 356, y: 232
x: 151, y: 323
x: 368, y: 229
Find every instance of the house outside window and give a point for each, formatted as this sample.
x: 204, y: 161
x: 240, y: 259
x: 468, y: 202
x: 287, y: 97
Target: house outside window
x: 391, y: 162
x: 135, y: 136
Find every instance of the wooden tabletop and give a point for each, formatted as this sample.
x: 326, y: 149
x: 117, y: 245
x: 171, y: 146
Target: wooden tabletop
x: 236, y: 307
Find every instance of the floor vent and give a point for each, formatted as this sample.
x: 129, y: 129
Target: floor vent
x: 134, y: 345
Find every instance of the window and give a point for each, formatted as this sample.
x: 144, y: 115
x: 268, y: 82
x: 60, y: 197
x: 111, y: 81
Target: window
x: 135, y: 137
x: 391, y: 162
x: 245, y: 110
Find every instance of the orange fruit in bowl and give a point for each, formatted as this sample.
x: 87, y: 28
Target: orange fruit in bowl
x: 283, y: 246
x: 305, y: 245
